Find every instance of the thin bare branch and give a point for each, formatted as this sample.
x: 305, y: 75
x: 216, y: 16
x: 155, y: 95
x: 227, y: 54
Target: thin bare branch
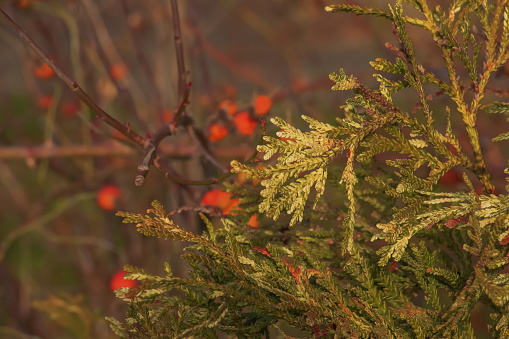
x: 142, y: 60
x: 168, y: 174
x: 128, y: 89
x: 184, y: 91
x: 193, y: 132
x: 179, y: 49
x: 73, y: 85
x: 109, y: 149
x: 199, y: 52
x: 236, y: 68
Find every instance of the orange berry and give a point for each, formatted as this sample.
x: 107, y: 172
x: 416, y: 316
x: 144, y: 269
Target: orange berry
x: 245, y: 124
x: 216, y: 197
x: 23, y: 3
x: 107, y: 196
x: 228, y: 106
x: 262, y: 104
x: 69, y: 109
x: 217, y: 132
x: 118, y: 281
x: 118, y: 71
x: 231, y: 205
x: 253, y: 221
x: 45, y: 101
x: 167, y: 115
x: 230, y: 91
x: 220, y: 199
x: 393, y: 266
x: 241, y: 177
x: 43, y: 71
x: 224, y: 199
x: 451, y: 178
x: 210, y: 197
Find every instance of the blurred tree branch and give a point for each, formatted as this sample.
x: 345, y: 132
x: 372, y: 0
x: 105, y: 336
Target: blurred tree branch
x: 73, y: 85
x: 103, y: 150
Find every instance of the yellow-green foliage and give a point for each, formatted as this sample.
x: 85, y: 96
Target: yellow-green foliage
x: 351, y: 266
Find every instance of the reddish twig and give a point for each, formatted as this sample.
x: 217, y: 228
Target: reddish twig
x: 498, y: 92
x: 235, y: 67
x: 312, y: 85
x: 109, y: 149
x: 199, y: 139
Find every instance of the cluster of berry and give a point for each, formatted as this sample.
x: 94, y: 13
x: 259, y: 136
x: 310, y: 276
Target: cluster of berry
x: 244, y: 121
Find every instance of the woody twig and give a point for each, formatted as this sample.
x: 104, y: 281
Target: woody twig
x: 101, y: 114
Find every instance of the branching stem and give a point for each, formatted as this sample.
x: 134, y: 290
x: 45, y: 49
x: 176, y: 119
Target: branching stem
x: 101, y: 114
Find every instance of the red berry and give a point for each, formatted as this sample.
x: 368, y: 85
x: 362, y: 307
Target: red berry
x: 253, y: 221
x: 393, y: 266
x: 262, y: 104
x: 167, y: 115
x: 228, y: 106
x: 107, y: 196
x: 45, y: 101
x: 451, y: 178
x: 245, y: 124
x: 230, y: 91
x: 23, y: 3
x: 216, y: 197
x: 43, y: 71
x: 231, y: 205
x: 217, y: 132
x: 210, y: 197
x: 118, y: 281
x: 220, y: 199
x: 118, y: 71
x: 69, y: 108
x: 241, y: 177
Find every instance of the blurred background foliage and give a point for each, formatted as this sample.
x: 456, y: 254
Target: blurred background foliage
x: 58, y: 247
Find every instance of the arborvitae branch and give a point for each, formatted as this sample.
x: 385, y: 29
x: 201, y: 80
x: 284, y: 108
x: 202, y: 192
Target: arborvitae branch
x: 316, y: 269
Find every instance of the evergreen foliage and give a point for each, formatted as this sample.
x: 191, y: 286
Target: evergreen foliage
x: 320, y: 268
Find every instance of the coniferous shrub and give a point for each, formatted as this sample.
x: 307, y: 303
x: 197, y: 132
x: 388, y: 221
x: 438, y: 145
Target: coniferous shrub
x: 364, y: 242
